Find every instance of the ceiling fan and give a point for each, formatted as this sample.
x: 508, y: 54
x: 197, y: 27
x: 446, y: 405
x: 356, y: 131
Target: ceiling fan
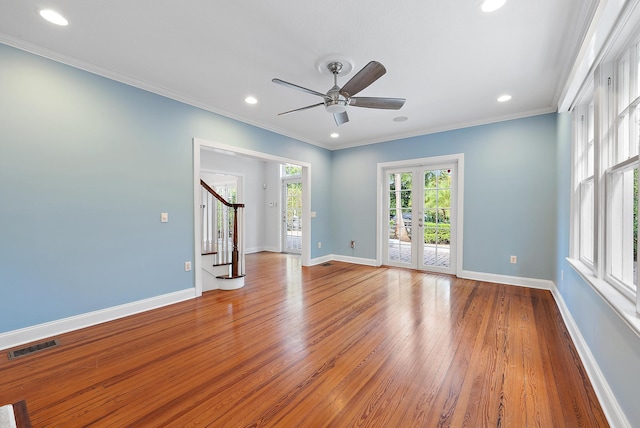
x: 338, y: 99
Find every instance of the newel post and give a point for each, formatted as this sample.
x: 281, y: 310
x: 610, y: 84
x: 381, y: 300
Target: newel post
x: 234, y: 253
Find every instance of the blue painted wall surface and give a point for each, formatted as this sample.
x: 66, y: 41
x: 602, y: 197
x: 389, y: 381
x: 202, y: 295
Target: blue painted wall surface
x: 86, y: 167
x: 509, y: 193
x: 614, y: 346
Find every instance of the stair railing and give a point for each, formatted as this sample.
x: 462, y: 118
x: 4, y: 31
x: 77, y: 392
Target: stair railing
x: 220, y: 231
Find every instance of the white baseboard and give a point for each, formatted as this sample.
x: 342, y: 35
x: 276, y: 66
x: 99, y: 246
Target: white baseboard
x: 355, y: 260
x: 346, y: 259
x: 320, y: 260
x: 260, y: 249
x: 610, y: 406
x: 22, y: 336
x: 543, y: 284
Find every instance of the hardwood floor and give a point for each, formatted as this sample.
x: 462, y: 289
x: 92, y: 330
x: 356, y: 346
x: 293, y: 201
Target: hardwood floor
x: 338, y: 345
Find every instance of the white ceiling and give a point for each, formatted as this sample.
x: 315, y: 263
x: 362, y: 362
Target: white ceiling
x: 447, y: 58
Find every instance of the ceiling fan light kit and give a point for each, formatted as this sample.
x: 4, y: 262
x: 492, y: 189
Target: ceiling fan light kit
x: 337, y: 99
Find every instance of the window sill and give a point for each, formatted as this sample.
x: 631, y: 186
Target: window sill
x: 616, y: 300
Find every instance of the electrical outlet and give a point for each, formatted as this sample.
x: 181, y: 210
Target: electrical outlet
x: 353, y: 244
x: 319, y: 244
x: 513, y: 260
x: 187, y: 266
x: 164, y: 217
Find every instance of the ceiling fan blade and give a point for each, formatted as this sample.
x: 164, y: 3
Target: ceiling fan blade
x: 377, y: 102
x: 301, y: 108
x: 341, y: 118
x: 369, y: 74
x: 300, y: 88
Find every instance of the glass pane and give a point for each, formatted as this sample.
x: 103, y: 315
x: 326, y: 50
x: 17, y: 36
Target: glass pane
x: 444, y: 179
x: 623, y: 83
x: 399, y: 210
x: 444, y: 217
x: 623, y: 140
x: 444, y: 198
x: 430, y: 198
x: 635, y: 129
x: 287, y: 170
x: 623, y: 227
x: 437, y: 213
x: 637, y: 94
x: 430, y: 216
x: 293, y: 220
x: 586, y: 221
x: 430, y: 180
x: 590, y: 142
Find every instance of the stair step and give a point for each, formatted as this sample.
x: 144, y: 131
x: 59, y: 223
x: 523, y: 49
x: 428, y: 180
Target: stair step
x: 221, y: 264
x: 229, y: 276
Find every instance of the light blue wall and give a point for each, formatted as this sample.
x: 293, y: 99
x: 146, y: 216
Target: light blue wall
x: 86, y: 167
x: 614, y: 346
x: 88, y: 164
x: 509, y: 188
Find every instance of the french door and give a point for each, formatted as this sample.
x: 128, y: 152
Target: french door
x: 421, y: 213
x: 292, y: 215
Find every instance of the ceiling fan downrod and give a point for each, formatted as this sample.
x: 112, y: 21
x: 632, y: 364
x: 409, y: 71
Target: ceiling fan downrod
x: 335, y: 101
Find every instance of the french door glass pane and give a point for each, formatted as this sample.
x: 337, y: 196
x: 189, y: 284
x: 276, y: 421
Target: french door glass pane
x: 293, y: 217
x: 399, y: 212
x: 437, y: 215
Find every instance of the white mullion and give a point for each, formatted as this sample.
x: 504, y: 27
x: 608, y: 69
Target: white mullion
x: 602, y: 131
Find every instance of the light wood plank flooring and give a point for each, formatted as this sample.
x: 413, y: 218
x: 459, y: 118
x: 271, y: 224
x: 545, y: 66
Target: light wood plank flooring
x: 337, y: 345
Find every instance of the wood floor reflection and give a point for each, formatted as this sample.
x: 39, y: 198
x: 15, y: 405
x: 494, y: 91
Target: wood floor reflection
x: 332, y: 345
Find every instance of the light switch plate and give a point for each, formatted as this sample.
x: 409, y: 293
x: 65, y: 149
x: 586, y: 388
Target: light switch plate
x: 164, y: 217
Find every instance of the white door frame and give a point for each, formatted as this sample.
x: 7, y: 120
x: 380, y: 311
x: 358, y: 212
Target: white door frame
x: 458, y: 160
x: 199, y: 143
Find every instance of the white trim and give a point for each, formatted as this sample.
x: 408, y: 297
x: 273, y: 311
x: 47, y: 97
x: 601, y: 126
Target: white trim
x: 355, y: 260
x: 197, y: 230
x: 261, y: 249
x: 323, y: 259
x: 603, y: 30
x: 621, y: 305
x: 54, y: 328
x: 613, y: 412
x: 345, y: 259
x: 543, y: 284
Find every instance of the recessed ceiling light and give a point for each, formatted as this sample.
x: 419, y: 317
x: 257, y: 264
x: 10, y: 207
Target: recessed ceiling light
x: 250, y: 100
x: 53, y: 17
x: 335, y: 135
x: 400, y: 118
x: 504, y: 98
x: 488, y: 6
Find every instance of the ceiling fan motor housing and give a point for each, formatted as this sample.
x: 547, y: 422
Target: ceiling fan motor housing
x: 335, y: 102
x: 336, y: 106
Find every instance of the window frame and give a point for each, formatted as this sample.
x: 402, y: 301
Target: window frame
x: 614, y: 92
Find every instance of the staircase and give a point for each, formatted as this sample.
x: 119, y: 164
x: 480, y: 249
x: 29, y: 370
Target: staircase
x: 222, y: 252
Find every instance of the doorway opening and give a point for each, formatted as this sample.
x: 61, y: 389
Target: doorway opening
x: 255, y: 202
x: 291, y: 176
